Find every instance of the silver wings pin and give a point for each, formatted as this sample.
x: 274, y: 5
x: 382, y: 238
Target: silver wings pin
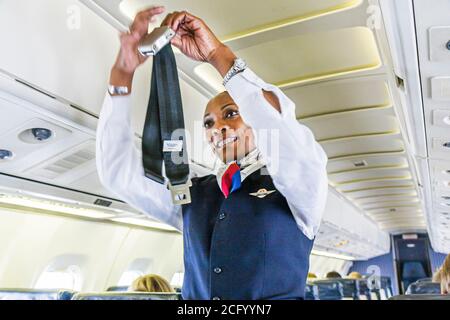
x: 261, y: 193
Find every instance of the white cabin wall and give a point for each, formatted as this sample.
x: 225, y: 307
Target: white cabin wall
x: 29, y: 242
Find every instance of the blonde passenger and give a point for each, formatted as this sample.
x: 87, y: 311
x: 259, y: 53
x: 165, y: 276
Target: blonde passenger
x: 444, y: 276
x: 354, y: 275
x: 311, y: 276
x: 437, y: 276
x: 151, y: 283
x: 333, y: 275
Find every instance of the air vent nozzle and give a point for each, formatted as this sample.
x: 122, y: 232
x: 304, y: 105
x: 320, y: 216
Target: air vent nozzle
x: 103, y: 203
x: 359, y: 164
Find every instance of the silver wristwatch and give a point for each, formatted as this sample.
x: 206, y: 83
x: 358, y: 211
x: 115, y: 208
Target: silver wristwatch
x: 121, y: 91
x: 238, y: 66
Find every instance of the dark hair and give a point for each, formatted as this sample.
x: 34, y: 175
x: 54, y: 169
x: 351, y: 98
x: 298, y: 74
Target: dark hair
x: 333, y: 274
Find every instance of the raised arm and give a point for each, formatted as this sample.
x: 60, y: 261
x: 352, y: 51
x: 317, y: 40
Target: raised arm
x: 120, y: 168
x: 119, y: 163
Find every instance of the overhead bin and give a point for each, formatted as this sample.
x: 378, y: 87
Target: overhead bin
x: 304, y: 58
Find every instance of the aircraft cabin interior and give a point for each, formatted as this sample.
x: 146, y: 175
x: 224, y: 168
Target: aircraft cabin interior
x: 369, y: 78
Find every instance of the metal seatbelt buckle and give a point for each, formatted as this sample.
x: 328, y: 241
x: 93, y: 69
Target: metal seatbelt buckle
x: 180, y: 192
x: 155, y: 41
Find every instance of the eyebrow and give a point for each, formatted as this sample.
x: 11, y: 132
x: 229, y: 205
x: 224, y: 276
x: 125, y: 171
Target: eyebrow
x: 221, y: 108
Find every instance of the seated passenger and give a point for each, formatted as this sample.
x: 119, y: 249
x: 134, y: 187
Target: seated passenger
x: 354, y: 275
x: 151, y: 283
x: 437, y: 276
x: 311, y: 276
x: 444, y: 276
x: 333, y: 275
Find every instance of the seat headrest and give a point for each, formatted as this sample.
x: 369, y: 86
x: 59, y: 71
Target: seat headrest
x: 126, y: 296
x: 424, y: 287
x: 118, y: 288
x: 311, y: 292
x: 329, y: 289
x: 35, y: 294
x: 421, y: 297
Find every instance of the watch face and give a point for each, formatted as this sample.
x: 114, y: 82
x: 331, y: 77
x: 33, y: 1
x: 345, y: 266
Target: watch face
x: 240, y: 63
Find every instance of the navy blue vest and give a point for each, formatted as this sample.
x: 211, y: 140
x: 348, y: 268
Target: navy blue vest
x: 242, y: 247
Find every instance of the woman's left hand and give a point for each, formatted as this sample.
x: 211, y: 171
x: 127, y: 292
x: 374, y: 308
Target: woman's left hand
x: 193, y: 37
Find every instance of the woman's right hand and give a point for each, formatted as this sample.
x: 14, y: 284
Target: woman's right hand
x: 129, y: 57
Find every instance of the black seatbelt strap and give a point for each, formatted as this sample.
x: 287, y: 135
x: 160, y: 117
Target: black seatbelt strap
x: 163, y: 139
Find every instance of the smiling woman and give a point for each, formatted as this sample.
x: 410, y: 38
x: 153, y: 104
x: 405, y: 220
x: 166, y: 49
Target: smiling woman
x: 229, y: 137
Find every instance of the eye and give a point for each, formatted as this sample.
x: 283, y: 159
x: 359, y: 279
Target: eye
x: 208, y: 123
x: 231, y: 113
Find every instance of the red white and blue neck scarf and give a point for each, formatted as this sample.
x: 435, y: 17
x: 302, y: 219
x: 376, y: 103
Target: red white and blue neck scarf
x: 231, y: 175
x: 231, y: 179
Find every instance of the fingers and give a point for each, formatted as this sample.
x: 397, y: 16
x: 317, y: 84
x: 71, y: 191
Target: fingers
x: 176, y: 41
x: 143, y: 18
x: 146, y: 15
x: 178, y: 19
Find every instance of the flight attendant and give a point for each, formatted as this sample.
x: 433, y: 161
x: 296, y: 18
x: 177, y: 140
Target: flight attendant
x: 249, y: 229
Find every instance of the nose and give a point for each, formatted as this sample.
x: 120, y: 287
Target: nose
x: 220, y: 128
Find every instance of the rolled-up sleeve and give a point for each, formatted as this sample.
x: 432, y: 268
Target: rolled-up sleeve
x: 295, y: 161
x: 120, y: 168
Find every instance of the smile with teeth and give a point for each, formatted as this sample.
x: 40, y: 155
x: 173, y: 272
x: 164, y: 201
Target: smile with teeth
x: 221, y: 143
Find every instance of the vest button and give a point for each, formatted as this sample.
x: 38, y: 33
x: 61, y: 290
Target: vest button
x: 216, y: 298
x: 222, y: 216
x: 217, y: 270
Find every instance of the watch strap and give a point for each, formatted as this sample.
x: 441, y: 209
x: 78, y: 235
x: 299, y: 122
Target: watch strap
x: 117, y: 90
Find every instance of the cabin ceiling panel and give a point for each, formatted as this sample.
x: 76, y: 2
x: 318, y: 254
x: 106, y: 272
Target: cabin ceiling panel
x: 303, y: 58
x: 266, y: 17
x: 412, y: 196
x: 370, y: 144
x: 364, y: 174
x: 380, y: 183
x: 380, y: 120
x: 341, y: 95
x: 361, y: 195
x: 366, y: 161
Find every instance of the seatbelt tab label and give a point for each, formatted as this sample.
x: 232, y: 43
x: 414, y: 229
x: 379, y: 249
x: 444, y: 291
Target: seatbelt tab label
x: 173, y: 146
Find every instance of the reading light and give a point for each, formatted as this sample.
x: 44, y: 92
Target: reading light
x: 5, y: 154
x: 35, y: 135
x: 446, y: 120
x: 41, y: 134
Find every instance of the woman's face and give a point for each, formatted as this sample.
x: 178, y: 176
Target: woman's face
x: 227, y: 134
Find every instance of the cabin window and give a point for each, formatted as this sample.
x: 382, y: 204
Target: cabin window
x: 68, y: 278
x: 129, y: 276
x: 177, y: 280
x: 135, y: 269
x: 63, y: 272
